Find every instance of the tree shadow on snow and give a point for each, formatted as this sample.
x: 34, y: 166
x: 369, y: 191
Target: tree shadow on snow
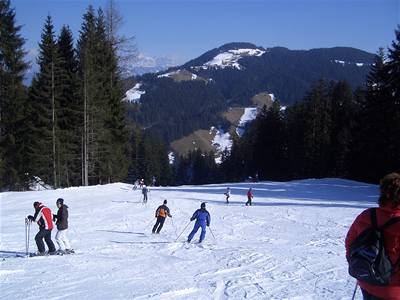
x: 135, y: 202
x: 360, y: 194
x: 150, y: 243
x: 272, y: 203
x: 7, y: 254
x: 125, y: 232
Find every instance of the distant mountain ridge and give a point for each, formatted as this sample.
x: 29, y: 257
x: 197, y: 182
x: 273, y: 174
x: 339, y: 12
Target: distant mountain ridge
x: 182, y: 99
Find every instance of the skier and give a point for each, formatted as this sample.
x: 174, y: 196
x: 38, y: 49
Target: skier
x: 145, y: 190
x: 141, y: 183
x: 389, y: 207
x: 43, y: 218
x: 202, y: 217
x: 249, y: 196
x: 61, y: 219
x: 227, y: 194
x: 161, y: 214
x: 135, y: 185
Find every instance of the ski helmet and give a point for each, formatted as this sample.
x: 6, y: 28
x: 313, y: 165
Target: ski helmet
x: 165, y: 201
x: 36, y: 204
x: 203, y: 205
x: 60, y: 201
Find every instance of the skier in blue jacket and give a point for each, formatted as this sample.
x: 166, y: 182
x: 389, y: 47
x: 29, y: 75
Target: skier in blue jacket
x: 202, y: 217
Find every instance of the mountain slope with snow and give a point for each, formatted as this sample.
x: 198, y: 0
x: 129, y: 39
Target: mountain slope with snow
x: 288, y: 245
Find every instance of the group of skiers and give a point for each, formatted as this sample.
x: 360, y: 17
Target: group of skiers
x: 202, y: 217
x: 249, y: 195
x: 44, y: 219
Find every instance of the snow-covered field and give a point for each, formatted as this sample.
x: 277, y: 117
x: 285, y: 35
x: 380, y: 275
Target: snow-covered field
x: 289, y: 245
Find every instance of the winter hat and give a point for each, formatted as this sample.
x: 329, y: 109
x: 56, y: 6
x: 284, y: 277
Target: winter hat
x: 165, y: 201
x: 36, y: 204
x: 203, y: 205
x: 60, y: 200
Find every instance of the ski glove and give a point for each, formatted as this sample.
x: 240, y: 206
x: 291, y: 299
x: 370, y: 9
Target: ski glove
x: 30, y: 218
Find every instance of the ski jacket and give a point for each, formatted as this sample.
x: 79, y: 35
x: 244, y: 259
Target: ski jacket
x: 145, y: 190
x: 62, y: 217
x: 392, y: 246
x: 202, y: 216
x: 43, y: 217
x: 249, y: 194
x: 163, y: 211
x: 228, y: 193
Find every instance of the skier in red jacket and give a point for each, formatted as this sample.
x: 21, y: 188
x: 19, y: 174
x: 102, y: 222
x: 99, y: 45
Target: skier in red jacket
x: 44, y: 218
x: 249, y: 196
x: 389, y: 207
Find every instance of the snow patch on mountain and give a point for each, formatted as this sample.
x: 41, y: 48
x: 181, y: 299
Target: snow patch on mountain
x: 250, y: 113
x: 230, y: 58
x: 343, y: 63
x: 222, y: 140
x: 133, y: 95
x: 169, y: 74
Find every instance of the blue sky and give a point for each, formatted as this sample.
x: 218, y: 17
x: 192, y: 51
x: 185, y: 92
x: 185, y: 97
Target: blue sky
x: 185, y: 29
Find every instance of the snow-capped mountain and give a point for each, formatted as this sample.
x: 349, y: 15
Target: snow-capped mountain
x: 180, y: 100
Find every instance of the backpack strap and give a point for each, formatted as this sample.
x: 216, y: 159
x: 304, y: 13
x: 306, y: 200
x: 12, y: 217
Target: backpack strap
x: 389, y: 223
x: 374, y: 221
x: 384, y: 226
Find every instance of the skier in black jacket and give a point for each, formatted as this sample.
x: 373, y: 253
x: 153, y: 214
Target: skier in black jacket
x: 61, y: 219
x: 161, y: 214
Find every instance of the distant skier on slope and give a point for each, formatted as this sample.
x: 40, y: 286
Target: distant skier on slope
x: 161, y: 214
x: 202, y: 217
x: 249, y: 196
x: 43, y: 217
x: 227, y: 194
x: 145, y: 190
x: 61, y: 219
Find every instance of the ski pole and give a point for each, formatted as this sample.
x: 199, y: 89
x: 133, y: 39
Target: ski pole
x: 26, y: 236
x: 355, y: 290
x: 29, y: 231
x: 173, y: 225
x: 212, y: 233
x: 182, y: 231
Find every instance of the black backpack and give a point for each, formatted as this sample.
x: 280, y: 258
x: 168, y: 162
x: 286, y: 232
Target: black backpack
x: 368, y: 260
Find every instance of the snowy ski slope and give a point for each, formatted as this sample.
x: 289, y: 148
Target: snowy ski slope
x: 289, y: 245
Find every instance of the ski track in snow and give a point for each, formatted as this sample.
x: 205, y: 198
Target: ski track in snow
x: 288, y: 245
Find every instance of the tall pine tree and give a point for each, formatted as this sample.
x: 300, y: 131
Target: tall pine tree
x: 12, y: 101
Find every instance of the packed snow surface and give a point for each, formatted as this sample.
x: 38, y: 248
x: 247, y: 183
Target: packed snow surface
x: 250, y: 113
x: 230, y: 58
x: 134, y: 94
x: 288, y: 245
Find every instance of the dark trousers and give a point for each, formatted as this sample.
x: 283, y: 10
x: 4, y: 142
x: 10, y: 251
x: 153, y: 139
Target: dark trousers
x: 46, y: 234
x: 248, y: 201
x: 145, y: 198
x: 368, y: 296
x: 159, y: 224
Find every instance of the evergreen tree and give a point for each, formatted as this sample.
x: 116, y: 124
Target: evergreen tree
x: 44, y: 97
x: 69, y: 115
x: 270, y: 145
x: 371, y: 157
x: 343, y: 122
x: 12, y: 100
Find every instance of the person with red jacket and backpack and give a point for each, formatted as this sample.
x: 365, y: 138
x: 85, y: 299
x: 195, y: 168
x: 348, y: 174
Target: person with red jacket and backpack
x: 161, y: 214
x: 389, y: 208
x: 44, y: 218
